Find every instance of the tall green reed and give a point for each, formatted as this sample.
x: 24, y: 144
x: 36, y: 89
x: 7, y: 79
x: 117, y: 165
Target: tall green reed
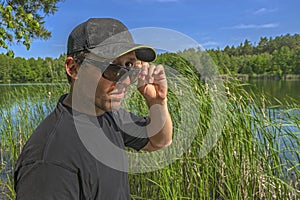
x: 22, y: 109
x: 247, y: 162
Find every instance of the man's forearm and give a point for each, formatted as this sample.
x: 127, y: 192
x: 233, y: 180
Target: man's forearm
x: 160, y: 128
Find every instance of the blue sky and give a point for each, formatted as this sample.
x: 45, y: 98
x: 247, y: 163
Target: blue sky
x: 212, y: 23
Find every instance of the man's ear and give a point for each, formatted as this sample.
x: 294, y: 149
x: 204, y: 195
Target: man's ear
x: 72, y: 67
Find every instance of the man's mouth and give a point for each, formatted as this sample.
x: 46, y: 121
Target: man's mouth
x: 117, y: 95
x: 119, y: 92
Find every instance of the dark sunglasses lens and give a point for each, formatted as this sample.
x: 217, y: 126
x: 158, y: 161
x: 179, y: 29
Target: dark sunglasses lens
x: 134, y: 74
x: 118, y: 73
x: 114, y: 73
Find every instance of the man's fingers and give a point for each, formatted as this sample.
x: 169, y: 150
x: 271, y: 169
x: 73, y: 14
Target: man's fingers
x: 159, y: 69
x: 150, y: 77
x: 151, y: 74
x: 138, y: 64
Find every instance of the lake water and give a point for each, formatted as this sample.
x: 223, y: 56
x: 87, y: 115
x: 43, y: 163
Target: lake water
x: 280, y: 95
x: 279, y: 89
x: 284, y: 91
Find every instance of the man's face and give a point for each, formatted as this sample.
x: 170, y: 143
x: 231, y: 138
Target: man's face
x: 104, y: 94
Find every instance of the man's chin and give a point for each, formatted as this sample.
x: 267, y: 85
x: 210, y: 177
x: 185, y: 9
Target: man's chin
x: 115, y: 105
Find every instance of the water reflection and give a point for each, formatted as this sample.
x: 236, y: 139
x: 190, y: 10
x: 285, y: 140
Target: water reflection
x: 41, y: 99
x: 283, y: 90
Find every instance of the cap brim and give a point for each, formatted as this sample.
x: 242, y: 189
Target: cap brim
x: 113, y: 51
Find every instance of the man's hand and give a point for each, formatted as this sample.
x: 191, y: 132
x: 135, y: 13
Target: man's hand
x: 152, y: 83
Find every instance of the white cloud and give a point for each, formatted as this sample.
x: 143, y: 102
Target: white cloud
x: 253, y: 26
x: 262, y: 11
x: 210, y: 43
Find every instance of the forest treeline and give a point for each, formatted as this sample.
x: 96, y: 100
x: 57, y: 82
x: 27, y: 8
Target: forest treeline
x: 271, y: 56
x: 40, y: 70
x: 274, y: 56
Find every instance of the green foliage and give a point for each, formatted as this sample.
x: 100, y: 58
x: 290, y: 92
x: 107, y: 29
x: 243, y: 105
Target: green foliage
x: 21, y: 21
x: 274, y: 57
x: 21, y: 70
x: 247, y: 162
x: 278, y: 56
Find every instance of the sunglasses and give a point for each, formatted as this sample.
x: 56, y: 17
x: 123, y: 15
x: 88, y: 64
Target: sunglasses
x: 116, y: 73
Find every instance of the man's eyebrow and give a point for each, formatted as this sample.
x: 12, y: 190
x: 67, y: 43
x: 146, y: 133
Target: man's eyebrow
x: 133, y: 59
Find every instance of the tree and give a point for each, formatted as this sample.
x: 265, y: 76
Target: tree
x: 21, y: 21
x: 261, y: 63
x: 296, y: 59
x: 283, y: 58
x: 247, y: 48
x: 262, y: 45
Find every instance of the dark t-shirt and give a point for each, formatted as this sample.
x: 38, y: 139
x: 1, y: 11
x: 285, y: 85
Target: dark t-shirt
x: 72, y: 155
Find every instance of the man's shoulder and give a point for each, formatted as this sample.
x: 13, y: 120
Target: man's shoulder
x: 52, y: 134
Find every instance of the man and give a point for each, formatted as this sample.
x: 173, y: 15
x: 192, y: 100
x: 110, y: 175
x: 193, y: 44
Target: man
x: 77, y: 152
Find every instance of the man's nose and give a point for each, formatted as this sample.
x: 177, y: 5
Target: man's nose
x: 124, y: 83
x: 124, y: 80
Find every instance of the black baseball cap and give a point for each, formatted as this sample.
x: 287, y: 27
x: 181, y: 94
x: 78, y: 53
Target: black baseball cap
x: 107, y: 38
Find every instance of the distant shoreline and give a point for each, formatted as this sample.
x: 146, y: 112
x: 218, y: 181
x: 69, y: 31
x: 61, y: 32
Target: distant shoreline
x: 241, y: 77
x: 247, y: 77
